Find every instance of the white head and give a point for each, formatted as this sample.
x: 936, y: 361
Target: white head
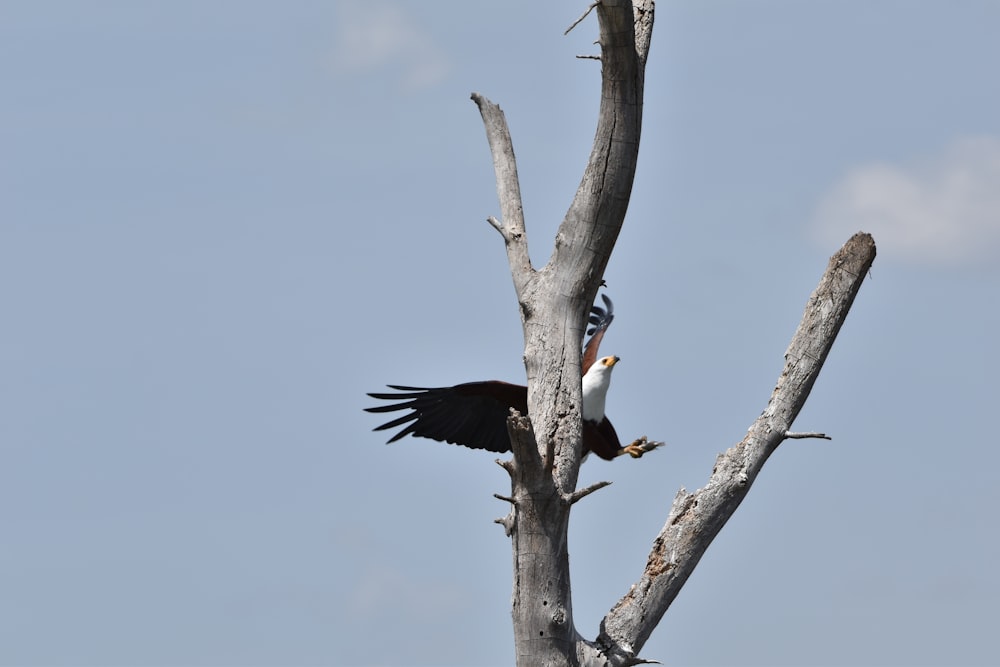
x: 595, y: 388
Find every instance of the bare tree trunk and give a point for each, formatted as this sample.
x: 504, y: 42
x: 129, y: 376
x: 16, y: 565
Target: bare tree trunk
x: 554, y: 303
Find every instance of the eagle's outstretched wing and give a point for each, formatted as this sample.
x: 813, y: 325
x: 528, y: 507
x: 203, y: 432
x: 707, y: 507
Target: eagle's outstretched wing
x: 473, y: 414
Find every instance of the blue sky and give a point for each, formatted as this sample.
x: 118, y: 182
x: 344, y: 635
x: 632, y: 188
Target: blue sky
x: 222, y: 223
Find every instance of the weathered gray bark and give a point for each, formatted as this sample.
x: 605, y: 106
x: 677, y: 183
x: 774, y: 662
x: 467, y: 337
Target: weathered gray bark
x: 554, y: 303
x: 696, y: 518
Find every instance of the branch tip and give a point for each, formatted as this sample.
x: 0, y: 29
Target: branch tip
x: 809, y: 434
x: 580, y: 494
x: 577, y: 22
x: 507, y: 465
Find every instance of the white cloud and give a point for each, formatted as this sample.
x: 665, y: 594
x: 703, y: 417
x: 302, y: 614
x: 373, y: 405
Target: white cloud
x: 372, y: 36
x: 942, y: 210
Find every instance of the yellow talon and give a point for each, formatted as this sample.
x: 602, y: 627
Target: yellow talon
x: 640, y: 446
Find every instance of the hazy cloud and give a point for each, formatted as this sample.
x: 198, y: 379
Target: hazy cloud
x: 373, y: 36
x: 941, y: 210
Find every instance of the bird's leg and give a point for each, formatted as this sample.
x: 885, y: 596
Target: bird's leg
x: 639, y: 446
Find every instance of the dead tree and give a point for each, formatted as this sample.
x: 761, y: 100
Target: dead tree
x: 554, y: 301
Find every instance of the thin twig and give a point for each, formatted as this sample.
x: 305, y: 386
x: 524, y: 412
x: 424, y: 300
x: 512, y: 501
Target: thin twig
x: 580, y: 494
x: 799, y: 436
x: 506, y: 464
x: 580, y: 20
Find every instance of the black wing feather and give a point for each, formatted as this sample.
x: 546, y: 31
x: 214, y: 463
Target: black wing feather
x: 473, y: 414
x: 601, y: 317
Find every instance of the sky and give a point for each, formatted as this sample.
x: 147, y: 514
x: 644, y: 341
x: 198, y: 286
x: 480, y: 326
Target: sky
x: 222, y: 223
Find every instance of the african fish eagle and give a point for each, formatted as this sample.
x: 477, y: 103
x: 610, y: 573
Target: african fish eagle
x: 474, y: 414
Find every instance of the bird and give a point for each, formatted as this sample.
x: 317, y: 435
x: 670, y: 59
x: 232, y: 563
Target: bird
x: 474, y: 414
